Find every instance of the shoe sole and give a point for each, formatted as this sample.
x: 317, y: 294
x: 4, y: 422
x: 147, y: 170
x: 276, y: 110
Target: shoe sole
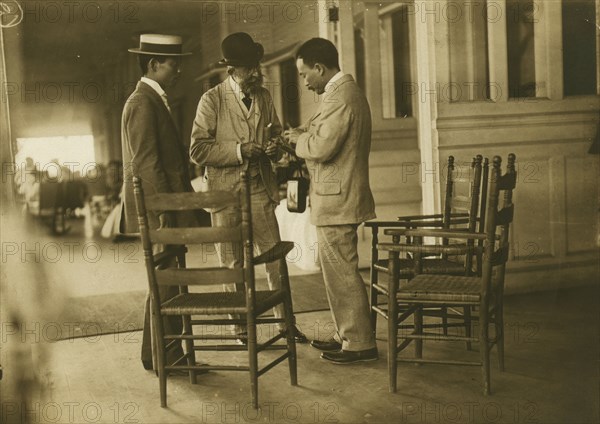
x: 350, y: 363
x: 326, y: 350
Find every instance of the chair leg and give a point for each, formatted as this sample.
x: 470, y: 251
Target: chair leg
x: 291, y: 342
x: 373, y: 299
x: 444, y: 312
x: 392, y: 339
x: 189, y: 347
x: 468, y: 329
x: 484, y: 349
x: 418, y: 317
x: 253, y: 363
x: 499, y: 323
x: 394, y: 282
x: 161, y: 359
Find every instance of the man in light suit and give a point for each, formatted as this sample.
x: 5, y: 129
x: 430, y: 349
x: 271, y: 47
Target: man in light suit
x: 336, y: 143
x: 153, y: 151
x: 234, y: 131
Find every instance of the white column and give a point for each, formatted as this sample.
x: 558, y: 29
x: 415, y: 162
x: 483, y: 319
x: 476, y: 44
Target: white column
x: 324, y: 25
x: 498, y: 50
x: 552, y: 14
x: 346, y: 38
x: 372, y: 62
x: 427, y: 135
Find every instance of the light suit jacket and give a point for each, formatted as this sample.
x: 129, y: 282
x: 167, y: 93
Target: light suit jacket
x: 152, y: 151
x: 336, y: 147
x: 221, y: 124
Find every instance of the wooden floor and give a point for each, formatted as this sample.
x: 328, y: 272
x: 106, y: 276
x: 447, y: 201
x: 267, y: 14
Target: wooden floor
x: 551, y: 376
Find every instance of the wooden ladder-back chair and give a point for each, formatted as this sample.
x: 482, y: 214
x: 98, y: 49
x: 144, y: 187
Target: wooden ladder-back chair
x: 484, y: 292
x: 244, y: 307
x: 460, y: 211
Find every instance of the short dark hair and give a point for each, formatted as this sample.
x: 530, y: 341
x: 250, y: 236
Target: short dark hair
x: 144, y: 59
x: 319, y: 50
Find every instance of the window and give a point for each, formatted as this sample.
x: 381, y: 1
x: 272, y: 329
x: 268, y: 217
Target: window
x: 521, y: 49
x: 57, y: 154
x: 579, y: 47
x: 468, y: 52
x: 396, y: 64
x: 290, y: 94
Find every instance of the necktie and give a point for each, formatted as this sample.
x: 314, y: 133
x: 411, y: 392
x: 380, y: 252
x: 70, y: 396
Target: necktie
x: 247, y: 101
x: 165, y: 101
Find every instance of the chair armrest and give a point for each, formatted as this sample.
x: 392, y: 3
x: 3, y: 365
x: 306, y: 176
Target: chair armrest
x: 434, y: 249
x: 377, y: 224
x: 445, y: 233
x: 279, y: 251
x: 420, y: 217
x: 168, y: 254
x: 432, y: 216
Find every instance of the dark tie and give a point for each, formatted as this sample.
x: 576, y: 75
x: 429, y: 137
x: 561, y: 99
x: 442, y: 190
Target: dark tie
x: 247, y: 101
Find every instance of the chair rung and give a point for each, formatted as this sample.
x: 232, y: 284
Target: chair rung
x: 382, y: 312
x: 381, y: 289
x: 241, y: 321
x: 381, y: 267
x: 203, y: 337
x: 403, y: 345
x: 207, y: 367
x: 272, y: 364
x: 221, y: 347
x: 431, y: 361
x: 439, y: 337
x: 198, y: 235
x: 268, y: 343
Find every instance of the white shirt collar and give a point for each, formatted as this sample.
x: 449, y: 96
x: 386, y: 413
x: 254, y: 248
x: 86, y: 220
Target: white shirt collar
x: 237, y: 89
x: 332, y: 81
x: 155, y: 86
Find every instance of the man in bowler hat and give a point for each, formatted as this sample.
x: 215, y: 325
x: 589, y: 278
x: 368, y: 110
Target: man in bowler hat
x: 153, y: 151
x: 235, y: 130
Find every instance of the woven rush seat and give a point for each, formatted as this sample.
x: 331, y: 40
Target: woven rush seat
x: 430, y: 266
x: 219, y: 303
x: 448, y: 288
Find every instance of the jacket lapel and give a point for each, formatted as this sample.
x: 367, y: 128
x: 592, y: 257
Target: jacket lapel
x: 229, y: 96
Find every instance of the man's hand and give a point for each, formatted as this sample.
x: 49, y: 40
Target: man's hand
x: 166, y: 220
x: 291, y: 135
x: 272, y: 151
x: 251, y: 150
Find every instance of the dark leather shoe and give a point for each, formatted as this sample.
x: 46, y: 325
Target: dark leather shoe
x: 326, y: 346
x: 344, y: 357
x: 299, y: 336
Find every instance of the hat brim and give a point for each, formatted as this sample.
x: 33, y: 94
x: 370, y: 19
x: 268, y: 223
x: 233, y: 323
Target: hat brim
x: 225, y: 62
x: 139, y: 51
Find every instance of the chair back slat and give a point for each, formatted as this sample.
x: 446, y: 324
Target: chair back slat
x: 199, y: 276
x: 505, y: 215
x: 498, y: 220
x: 500, y: 256
x: 195, y: 235
x: 191, y: 201
x: 461, y: 203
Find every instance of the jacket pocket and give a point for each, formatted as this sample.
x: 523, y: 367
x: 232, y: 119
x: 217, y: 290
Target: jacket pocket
x: 328, y: 189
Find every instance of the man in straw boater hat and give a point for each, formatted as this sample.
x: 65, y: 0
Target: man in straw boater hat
x: 235, y: 130
x: 153, y: 151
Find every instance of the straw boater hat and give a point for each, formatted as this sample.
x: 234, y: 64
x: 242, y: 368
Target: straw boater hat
x: 160, y: 45
x: 239, y: 49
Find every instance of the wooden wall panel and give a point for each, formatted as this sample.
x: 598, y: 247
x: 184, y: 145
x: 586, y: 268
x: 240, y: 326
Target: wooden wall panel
x: 581, y: 204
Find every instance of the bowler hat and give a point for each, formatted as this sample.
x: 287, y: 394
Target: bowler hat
x: 239, y: 49
x: 160, y: 45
